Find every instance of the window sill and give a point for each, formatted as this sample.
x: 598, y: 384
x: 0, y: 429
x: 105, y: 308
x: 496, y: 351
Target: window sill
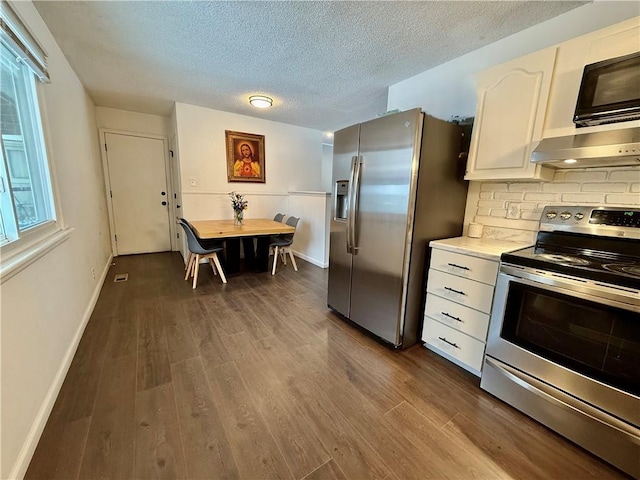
x: 20, y: 260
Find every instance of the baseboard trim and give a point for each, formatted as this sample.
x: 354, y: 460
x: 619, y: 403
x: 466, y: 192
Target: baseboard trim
x: 31, y: 442
x: 316, y: 262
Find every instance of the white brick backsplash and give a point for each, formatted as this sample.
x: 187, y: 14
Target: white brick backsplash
x: 542, y: 197
x: 615, y: 186
x: 531, y: 215
x: 524, y: 187
x: 604, y: 187
x: 579, y: 198
x: 625, y: 175
x: 493, y: 187
x: 511, y: 234
x: 528, y: 206
x: 595, y: 176
x: 491, y: 203
x: 508, y: 223
x: 507, y: 196
x: 560, y: 187
x: 623, y: 199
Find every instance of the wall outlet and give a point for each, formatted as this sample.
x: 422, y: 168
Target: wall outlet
x: 192, y: 182
x: 513, y: 210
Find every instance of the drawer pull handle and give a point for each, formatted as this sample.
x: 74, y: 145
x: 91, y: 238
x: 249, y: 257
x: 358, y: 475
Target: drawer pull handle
x: 451, y: 316
x: 458, y: 266
x: 455, y: 291
x: 447, y: 341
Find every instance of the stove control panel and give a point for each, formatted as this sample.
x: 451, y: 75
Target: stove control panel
x: 606, y: 221
x: 616, y: 218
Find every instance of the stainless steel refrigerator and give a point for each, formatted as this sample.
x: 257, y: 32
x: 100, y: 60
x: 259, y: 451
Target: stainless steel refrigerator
x: 396, y: 186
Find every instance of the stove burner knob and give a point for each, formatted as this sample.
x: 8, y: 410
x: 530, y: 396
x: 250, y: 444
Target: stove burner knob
x: 565, y: 215
x: 579, y: 216
x: 551, y: 215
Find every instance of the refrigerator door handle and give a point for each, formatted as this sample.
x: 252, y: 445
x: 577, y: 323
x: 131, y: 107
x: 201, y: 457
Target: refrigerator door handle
x: 356, y: 203
x: 350, y: 207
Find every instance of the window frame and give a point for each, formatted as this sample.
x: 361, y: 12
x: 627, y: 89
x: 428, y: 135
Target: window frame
x: 33, y: 242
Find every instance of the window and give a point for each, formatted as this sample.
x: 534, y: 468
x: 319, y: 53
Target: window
x: 26, y: 197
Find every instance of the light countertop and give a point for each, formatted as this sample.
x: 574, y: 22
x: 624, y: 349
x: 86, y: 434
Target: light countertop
x: 487, y: 248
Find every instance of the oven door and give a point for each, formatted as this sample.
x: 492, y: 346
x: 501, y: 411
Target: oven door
x: 580, y: 337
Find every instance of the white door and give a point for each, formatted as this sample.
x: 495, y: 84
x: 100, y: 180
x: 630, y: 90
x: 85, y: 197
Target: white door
x: 139, y: 196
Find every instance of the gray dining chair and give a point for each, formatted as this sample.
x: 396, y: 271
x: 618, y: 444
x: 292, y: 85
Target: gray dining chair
x: 278, y: 217
x: 199, y: 250
x: 282, y: 243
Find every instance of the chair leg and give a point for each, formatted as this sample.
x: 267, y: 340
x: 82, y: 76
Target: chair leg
x: 275, y: 260
x: 219, y: 267
x: 186, y: 266
x: 213, y: 265
x: 188, y: 273
x: 195, y: 271
x: 283, y: 254
x: 293, y: 260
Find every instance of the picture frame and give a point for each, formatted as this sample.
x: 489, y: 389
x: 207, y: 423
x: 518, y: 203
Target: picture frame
x: 245, y: 157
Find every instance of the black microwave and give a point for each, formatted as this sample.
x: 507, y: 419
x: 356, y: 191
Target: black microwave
x: 609, y: 92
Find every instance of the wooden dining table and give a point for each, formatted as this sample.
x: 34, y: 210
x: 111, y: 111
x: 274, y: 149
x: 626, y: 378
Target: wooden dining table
x: 257, y: 257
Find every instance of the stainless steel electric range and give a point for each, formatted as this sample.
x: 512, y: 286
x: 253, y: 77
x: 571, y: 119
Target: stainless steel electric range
x: 564, y: 338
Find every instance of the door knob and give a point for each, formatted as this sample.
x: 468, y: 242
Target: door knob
x: 164, y: 203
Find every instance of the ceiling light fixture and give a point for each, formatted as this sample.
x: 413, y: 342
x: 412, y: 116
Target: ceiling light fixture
x: 260, y: 101
x: 570, y: 160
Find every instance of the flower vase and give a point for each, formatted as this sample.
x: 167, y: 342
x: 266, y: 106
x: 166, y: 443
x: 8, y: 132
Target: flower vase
x: 238, y: 217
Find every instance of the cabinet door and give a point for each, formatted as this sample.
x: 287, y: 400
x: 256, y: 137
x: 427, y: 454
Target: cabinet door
x: 512, y: 102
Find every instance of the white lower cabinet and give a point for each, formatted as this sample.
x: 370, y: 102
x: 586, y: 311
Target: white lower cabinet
x: 458, y: 307
x: 465, y: 349
x: 467, y: 320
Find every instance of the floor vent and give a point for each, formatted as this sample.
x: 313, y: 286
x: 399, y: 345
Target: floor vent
x: 121, y: 277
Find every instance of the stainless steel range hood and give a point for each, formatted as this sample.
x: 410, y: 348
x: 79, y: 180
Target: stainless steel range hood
x: 597, y: 149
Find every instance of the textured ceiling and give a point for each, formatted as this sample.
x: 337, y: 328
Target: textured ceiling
x: 325, y: 64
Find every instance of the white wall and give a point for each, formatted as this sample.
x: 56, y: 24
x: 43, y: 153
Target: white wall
x: 449, y: 89
x: 327, y: 167
x: 293, y: 161
x: 115, y: 119
x: 44, y: 307
x: 311, y: 240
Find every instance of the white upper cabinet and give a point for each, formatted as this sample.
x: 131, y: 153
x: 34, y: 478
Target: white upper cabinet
x: 512, y: 102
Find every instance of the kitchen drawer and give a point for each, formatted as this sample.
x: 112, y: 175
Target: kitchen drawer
x: 465, y: 266
x: 467, y: 320
x: 456, y: 344
x: 461, y: 290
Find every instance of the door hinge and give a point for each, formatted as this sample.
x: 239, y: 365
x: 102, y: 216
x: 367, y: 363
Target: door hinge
x: 111, y: 193
x: 177, y: 235
x: 105, y: 147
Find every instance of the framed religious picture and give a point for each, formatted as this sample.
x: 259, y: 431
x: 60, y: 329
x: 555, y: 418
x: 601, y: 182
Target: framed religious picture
x: 245, y: 157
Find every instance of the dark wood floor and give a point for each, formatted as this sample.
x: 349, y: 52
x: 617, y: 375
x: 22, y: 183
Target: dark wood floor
x: 258, y: 379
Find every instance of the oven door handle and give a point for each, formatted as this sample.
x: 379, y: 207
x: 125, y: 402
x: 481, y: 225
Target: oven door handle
x: 572, y: 288
x: 565, y: 401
